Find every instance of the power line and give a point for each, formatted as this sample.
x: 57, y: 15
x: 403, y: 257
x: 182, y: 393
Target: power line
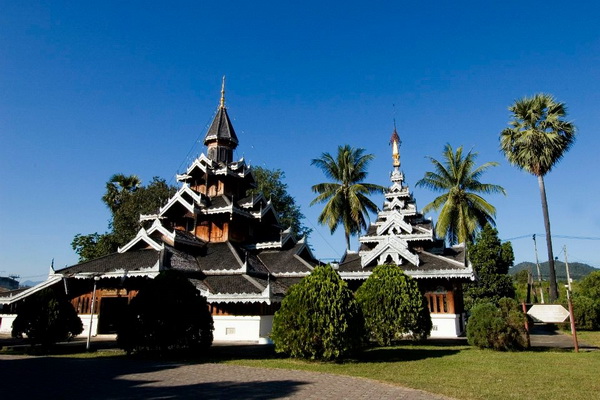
x: 554, y: 236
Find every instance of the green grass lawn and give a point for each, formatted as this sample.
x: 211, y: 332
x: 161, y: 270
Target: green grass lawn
x: 591, y: 338
x: 467, y: 373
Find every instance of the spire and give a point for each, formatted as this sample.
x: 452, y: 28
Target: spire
x: 221, y: 139
x: 222, y: 105
x: 397, y: 176
x: 395, y: 142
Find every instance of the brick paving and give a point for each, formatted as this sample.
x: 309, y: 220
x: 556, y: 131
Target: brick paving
x: 105, y: 378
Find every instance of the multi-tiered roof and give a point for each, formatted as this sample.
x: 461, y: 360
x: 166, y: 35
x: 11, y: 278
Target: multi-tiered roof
x: 229, y: 242
x: 401, y: 235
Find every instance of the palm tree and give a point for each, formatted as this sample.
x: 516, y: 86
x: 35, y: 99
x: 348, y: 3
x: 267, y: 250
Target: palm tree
x: 346, y: 198
x: 463, y: 211
x: 536, y: 140
x: 117, y: 188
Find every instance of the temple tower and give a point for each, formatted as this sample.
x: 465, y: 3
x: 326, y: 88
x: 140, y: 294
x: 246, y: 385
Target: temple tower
x: 221, y: 139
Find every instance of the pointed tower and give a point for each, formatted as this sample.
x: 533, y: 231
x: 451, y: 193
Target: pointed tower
x: 400, y: 230
x: 401, y: 235
x: 221, y: 139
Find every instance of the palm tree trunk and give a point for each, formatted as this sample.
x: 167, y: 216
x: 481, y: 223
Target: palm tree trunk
x: 347, y: 241
x: 553, y: 287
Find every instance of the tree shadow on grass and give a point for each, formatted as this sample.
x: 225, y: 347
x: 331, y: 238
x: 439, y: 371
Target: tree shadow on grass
x: 125, y: 378
x: 404, y: 353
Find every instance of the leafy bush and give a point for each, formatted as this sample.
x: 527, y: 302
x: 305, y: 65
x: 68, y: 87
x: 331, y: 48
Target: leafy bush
x: 499, y: 327
x: 586, y: 312
x: 590, y: 286
x: 319, y: 318
x: 46, y: 317
x: 393, y: 306
x: 167, y: 314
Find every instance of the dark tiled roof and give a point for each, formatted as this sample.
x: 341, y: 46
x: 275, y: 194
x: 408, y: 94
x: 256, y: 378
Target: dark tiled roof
x: 180, y: 261
x: 256, y: 266
x: 199, y: 284
x: 219, y: 256
x: 351, y: 263
x: 219, y: 202
x: 232, y: 284
x: 372, y: 231
x: 247, y: 201
x: 128, y: 261
x: 221, y: 129
x: 282, y: 285
x: 186, y: 238
x: 453, y: 253
x: 284, y: 261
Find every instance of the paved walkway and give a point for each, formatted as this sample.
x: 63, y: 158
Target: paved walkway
x: 105, y: 378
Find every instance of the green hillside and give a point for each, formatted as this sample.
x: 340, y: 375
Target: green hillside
x: 577, y: 270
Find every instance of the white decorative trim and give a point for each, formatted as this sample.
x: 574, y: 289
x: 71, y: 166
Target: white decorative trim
x: 151, y: 272
x: 52, y: 279
x: 142, y: 235
x: 240, y: 298
x: 406, y: 237
x: 300, y: 274
x: 220, y: 272
x: 392, y: 246
x: 394, y: 221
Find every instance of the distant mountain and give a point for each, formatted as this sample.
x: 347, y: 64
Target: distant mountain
x: 29, y: 283
x: 577, y: 270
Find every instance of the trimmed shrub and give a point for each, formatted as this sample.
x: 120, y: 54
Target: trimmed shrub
x: 46, y: 317
x: 168, y: 314
x: 393, y: 306
x: 319, y: 318
x: 499, y: 327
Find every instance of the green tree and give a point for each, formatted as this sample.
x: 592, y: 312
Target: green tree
x: 94, y: 245
x: 590, y: 285
x: 145, y: 200
x: 535, y: 142
x: 491, y: 260
x: 46, y: 317
x: 345, y: 199
x: 463, y: 211
x: 586, y: 302
x: 126, y: 205
x: 168, y: 314
x: 118, y: 189
x: 319, y: 318
x: 270, y: 184
x: 498, y: 327
x: 393, y: 306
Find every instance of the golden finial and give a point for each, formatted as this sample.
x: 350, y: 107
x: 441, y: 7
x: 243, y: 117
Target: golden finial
x: 395, y: 142
x: 222, y: 105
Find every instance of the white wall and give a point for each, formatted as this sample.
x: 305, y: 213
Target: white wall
x: 85, y: 320
x: 446, y: 325
x: 6, y: 321
x: 242, y: 328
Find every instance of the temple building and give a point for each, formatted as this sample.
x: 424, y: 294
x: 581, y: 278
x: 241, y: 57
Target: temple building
x: 402, y: 236
x: 229, y: 244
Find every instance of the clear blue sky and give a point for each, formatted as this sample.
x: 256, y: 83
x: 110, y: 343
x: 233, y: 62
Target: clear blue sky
x: 88, y: 90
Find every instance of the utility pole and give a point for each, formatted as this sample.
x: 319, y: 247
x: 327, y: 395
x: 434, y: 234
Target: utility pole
x: 87, y: 345
x: 537, y: 263
x: 571, y: 316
